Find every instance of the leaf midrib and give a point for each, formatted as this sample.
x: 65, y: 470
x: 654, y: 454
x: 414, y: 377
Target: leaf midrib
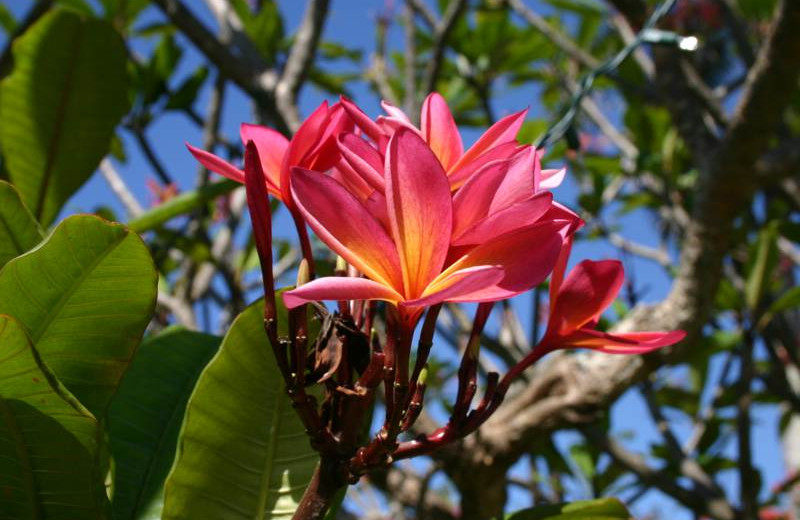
x: 59, y: 123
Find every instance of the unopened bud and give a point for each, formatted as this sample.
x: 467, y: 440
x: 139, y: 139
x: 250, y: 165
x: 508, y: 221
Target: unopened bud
x: 302, y: 273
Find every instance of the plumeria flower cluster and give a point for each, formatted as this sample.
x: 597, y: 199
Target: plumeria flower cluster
x: 417, y: 222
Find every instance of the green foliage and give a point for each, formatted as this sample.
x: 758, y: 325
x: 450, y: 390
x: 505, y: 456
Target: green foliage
x: 145, y: 417
x: 19, y: 231
x: 243, y: 452
x: 59, y: 107
x: 84, y: 297
x: 600, y: 509
x: 50, y: 458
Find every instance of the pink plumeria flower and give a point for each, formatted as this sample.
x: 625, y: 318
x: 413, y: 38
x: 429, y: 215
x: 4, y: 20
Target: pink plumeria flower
x: 407, y: 262
x: 439, y: 130
x: 313, y: 146
x: 577, y: 303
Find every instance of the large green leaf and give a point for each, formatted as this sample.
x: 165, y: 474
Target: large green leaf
x: 243, y: 453
x: 19, y: 231
x: 85, y: 296
x: 49, y: 464
x: 59, y: 107
x: 600, y: 509
x: 145, y: 417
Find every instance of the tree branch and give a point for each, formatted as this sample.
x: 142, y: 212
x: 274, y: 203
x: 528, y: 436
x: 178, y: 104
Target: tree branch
x: 300, y: 59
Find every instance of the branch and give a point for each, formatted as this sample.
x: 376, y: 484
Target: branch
x: 555, y: 36
x: 256, y: 82
x: 120, y: 189
x: 300, y: 59
x: 440, y: 34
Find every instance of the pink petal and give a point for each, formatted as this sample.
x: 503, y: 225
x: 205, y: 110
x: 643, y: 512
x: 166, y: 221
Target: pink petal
x: 216, y: 165
x: 552, y: 178
x: 471, y: 203
x: 326, y: 152
x: 339, y: 288
x: 362, y: 120
x: 521, y: 214
x: 526, y: 255
x: 627, y: 343
x: 589, y: 288
x: 363, y: 158
x: 271, y: 147
x: 557, y: 278
x: 376, y: 205
x: 394, y: 112
x: 466, y: 285
x: 301, y: 144
x: 420, y: 209
x: 345, y: 225
x: 502, y: 132
x: 351, y: 180
x: 519, y: 182
x: 440, y: 131
x: 463, y: 171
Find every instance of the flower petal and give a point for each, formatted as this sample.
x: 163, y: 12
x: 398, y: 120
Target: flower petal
x: 345, y: 225
x: 362, y: 120
x: 420, y: 209
x: 339, y: 288
x: 519, y: 182
x: 627, y: 343
x: 502, y: 132
x: 527, y: 256
x: 440, y: 131
x: 463, y: 171
x: 394, y: 112
x: 301, y: 144
x: 557, y: 278
x: 216, y: 165
x: 271, y: 147
x: 325, y: 153
x: 363, y: 159
x: 471, y: 203
x: 521, y: 214
x: 552, y: 178
x: 589, y: 288
x: 466, y: 285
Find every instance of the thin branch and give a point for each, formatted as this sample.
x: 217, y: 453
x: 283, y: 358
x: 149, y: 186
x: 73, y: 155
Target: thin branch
x: 120, y: 189
x: 554, y: 36
x: 410, y: 61
x: 440, y: 35
x: 422, y: 9
x: 301, y: 57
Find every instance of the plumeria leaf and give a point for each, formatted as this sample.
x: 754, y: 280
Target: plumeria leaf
x: 50, y: 463
x: 84, y: 296
x: 600, y: 509
x: 243, y: 452
x: 59, y: 106
x: 19, y: 231
x: 145, y: 417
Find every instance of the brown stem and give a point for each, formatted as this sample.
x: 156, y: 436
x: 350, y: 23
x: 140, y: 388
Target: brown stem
x: 329, y: 478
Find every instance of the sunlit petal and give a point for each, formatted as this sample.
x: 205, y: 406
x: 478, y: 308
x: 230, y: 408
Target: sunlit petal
x: 627, y: 343
x: 420, y: 209
x: 363, y: 159
x: 466, y: 285
x: 588, y: 289
x: 463, y: 171
x: 271, y: 147
x: 346, y: 226
x: 506, y: 220
x: 339, y: 288
x: 502, y: 132
x: 440, y: 131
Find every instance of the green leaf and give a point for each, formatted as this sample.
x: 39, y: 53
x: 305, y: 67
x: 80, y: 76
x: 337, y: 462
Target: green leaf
x: 85, y: 296
x: 185, y: 95
x: 59, y: 107
x: 19, y: 231
x: 242, y: 453
x: 49, y: 463
x: 766, y: 256
x: 7, y: 20
x: 600, y: 509
x: 180, y: 205
x: 145, y: 417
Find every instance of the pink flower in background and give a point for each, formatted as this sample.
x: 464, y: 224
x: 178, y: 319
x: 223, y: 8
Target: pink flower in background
x: 577, y: 303
x: 406, y: 252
